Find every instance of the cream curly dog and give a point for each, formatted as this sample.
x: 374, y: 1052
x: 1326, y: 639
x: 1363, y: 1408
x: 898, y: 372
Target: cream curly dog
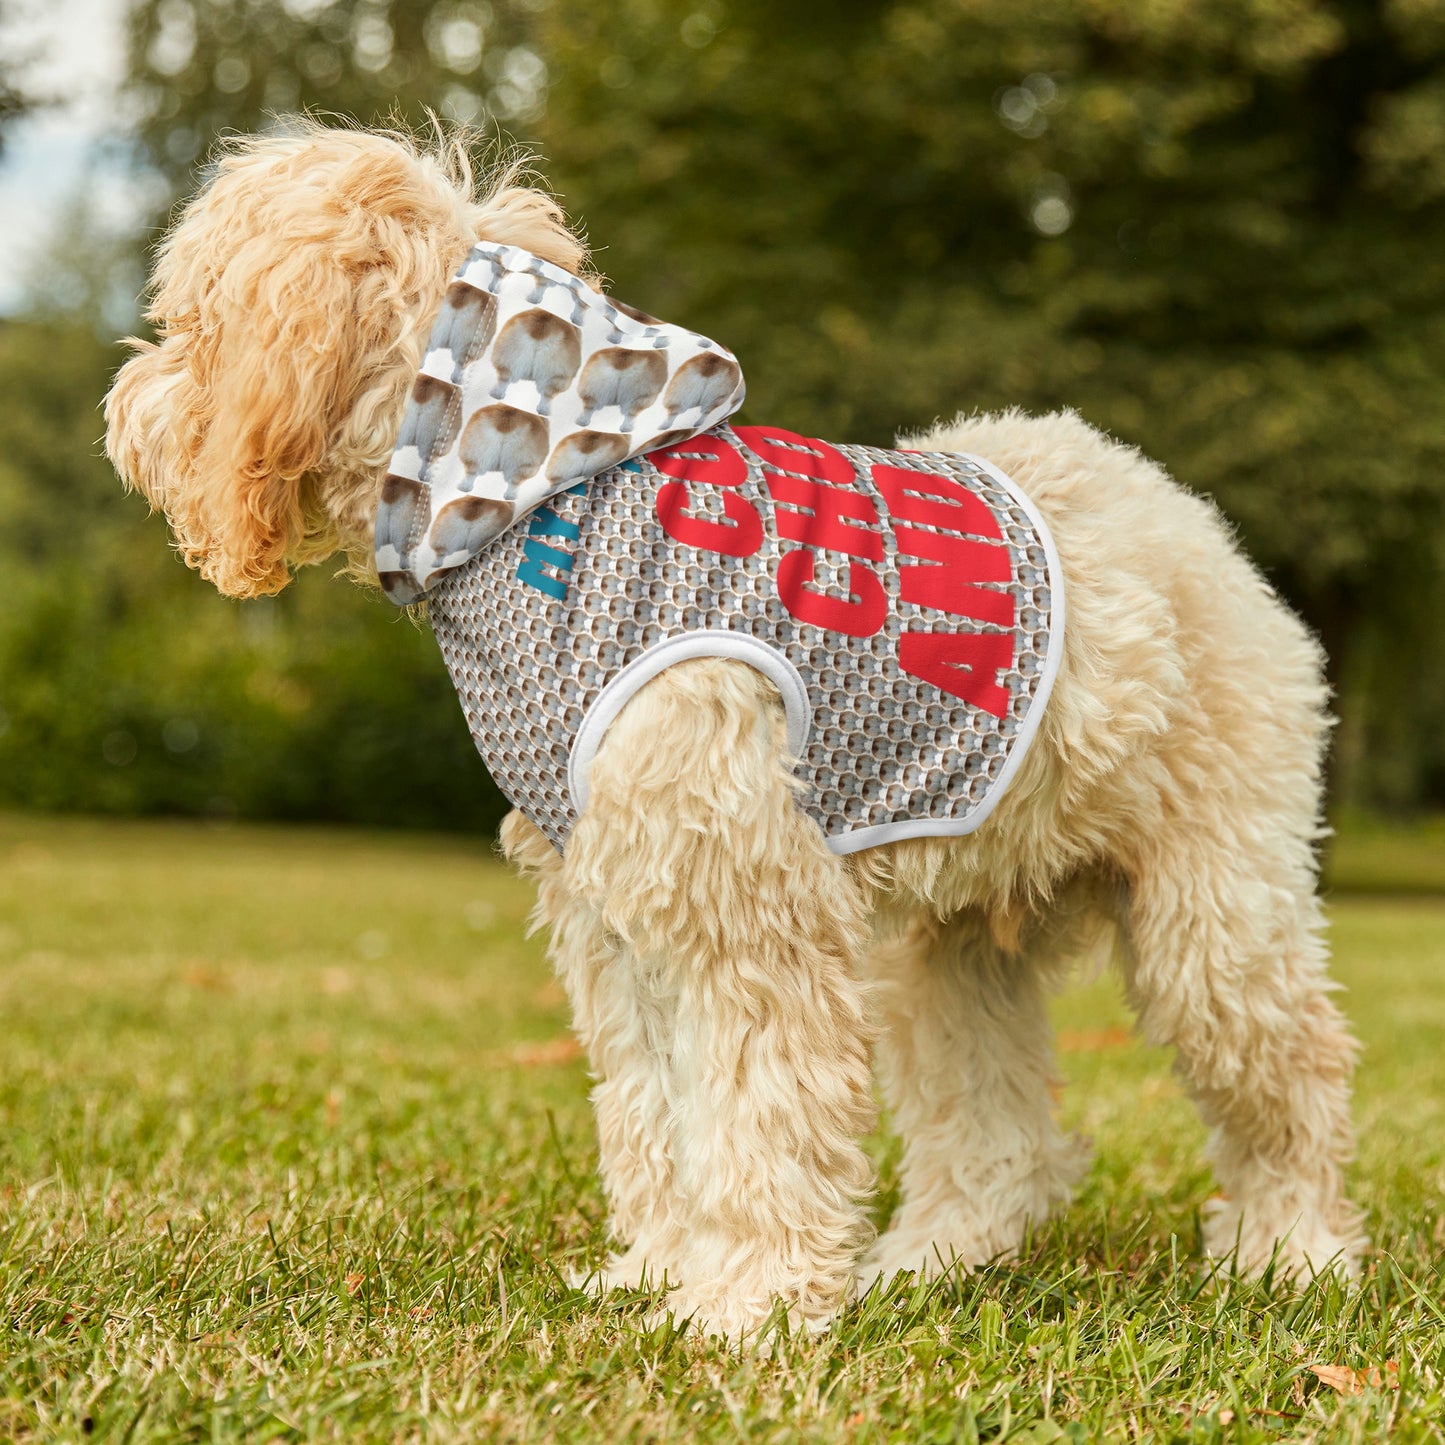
x: 732, y: 979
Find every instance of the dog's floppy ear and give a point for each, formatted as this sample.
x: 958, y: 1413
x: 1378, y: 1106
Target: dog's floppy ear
x: 264, y: 338
x: 150, y: 420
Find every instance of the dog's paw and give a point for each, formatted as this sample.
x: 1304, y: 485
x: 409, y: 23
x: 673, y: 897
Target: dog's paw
x: 633, y: 1270
x: 908, y: 1252
x: 964, y: 1228
x: 751, y: 1323
x: 959, y: 1241
x: 1299, y: 1245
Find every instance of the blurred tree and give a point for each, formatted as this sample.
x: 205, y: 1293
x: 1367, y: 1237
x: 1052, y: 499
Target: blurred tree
x: 1216, y: 227
x: 127, y: 685
x: 15, y: 100
x: 202, y: 67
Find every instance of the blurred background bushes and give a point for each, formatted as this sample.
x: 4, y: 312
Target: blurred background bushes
x: 1214, y: 227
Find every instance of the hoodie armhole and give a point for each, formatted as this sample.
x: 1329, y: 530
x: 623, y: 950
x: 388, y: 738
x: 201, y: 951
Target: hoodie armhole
x: 683, y: 647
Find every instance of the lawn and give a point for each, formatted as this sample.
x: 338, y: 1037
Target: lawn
x: 294, y: 1145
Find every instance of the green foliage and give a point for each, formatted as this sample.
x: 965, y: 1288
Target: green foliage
x: 284, y: 1154
x: 127, y: 685
x: 203, y: 67
x: 1216, y: 230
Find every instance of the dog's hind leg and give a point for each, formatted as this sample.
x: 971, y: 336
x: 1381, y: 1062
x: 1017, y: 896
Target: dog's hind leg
x: 1227, y: 965
x: 1226, y: 958
x: 966, y: 1062
x: 626, y: 1034
x: 746, y: 931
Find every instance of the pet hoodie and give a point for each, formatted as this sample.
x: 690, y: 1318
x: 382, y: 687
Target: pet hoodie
x: 568, y: 499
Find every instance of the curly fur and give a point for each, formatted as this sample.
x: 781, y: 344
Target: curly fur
x: 730, y: 977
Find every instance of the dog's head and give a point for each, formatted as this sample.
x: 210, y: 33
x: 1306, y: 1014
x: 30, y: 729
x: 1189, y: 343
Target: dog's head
x: 292, y: 301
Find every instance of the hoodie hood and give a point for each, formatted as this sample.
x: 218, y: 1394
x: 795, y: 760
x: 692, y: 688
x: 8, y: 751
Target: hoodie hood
x: 532, y: 383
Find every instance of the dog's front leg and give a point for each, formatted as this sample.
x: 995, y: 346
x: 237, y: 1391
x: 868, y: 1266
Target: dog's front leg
x: 742, y: 933
x: 625, y: 1030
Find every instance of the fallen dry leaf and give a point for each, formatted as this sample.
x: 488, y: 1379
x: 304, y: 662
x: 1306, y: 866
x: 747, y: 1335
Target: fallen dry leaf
x: 197, y: 973
x: 561, y: 1050
x: 1090, y: 1041
x: 354, y: 1282
x: 551, y: 995
x: 1347, y: 1381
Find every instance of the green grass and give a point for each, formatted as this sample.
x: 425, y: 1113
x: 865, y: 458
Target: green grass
x: 1369, y: 855
x: 291, y: 1148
